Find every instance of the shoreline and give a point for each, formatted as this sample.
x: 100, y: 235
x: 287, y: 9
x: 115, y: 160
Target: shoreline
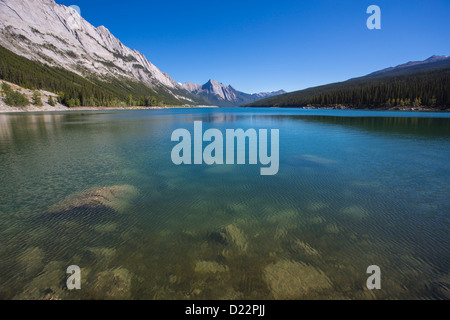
x: 60, y: 108
x: 343, y: 108
x: 4, y: 109
x: 394, y: 109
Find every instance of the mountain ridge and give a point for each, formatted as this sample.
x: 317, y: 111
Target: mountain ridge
x: 405, y: 66
x: 226, y: 96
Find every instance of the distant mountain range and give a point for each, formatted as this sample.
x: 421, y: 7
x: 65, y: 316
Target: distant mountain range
x: 226, y: 96
x: 411, y: 85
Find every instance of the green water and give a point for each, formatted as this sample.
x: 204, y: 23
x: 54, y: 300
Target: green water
x: 354, y: 189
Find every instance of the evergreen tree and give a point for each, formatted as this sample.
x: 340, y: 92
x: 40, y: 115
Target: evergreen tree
x: 6, y: 88
x: 36, y: 99
x: 16, y: 99
x: 51, y: 101
x: 417, y: 102
x: 71, y: 103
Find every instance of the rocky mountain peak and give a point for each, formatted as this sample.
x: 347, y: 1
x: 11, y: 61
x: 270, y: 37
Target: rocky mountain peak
x: 57, y: 35
x: 192, y: 87
x: 226, y: 96
x: 437, y: 58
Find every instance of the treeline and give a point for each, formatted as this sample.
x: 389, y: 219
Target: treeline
x: 75, y: 90
x: 426, y: 88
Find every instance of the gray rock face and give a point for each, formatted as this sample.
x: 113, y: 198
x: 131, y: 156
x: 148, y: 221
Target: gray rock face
x: 213, y: 89
x: 192, y: 87
x: 216, y: 88
x: 57, y: 35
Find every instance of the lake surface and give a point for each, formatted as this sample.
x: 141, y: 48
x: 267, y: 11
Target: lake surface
x: 99, y: 190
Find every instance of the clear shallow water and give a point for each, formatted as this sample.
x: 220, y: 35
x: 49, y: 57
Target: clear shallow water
x: 355, y: 188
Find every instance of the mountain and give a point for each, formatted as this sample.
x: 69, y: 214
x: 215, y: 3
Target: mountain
x: 414, y: 84
x: 57, y: 36
x: 413, y: 66
x: 263, y: 95
x: 225, y: 96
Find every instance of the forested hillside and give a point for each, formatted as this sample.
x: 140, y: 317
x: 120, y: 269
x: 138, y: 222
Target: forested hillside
x: 399, y: 88
x: 75, y: 90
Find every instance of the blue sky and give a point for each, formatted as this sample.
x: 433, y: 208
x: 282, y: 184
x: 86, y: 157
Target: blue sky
x: 270, y: 45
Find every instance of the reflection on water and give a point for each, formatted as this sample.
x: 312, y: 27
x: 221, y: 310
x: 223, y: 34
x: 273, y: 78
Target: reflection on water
x: 98, y: 190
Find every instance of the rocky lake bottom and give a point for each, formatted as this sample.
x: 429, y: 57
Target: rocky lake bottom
x: 98, y: 190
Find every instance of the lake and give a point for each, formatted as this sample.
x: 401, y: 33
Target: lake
x: 99, y: 190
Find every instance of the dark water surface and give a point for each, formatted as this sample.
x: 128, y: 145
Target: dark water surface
x: 99, y: 190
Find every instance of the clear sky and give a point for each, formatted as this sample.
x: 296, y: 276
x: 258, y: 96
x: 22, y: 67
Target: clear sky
x: 260, y: 45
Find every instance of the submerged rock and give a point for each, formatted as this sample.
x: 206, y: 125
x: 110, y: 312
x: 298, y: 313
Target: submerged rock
x: 31, y: 261
x: 233, y: 236
x: 303, y: 248
x: 317, y: 206
x: 104, y: 255
x: 294, y: 280
x: 103, y: 200
x: 317, y: 220
x: 332, y: 228
x: 444, y: 287
x: 113, y: 284
x: 280, y: 233
x: 106, y: 227
x: 49, y: 283
x: 356, y: 212
x: 210, y: 267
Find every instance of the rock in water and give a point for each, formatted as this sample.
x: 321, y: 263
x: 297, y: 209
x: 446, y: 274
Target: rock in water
x: 210, y: 267
x: 31, y: 261
x: 303, y: 248
x: 48, y: 284
x: 233, y: 236
x: 113, y: 284
x: 103, y: 200
x: 356, y: 212
x: 294, y: 280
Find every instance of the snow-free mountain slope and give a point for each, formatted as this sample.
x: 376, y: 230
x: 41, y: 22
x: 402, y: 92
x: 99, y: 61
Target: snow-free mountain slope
x: 57, y: 35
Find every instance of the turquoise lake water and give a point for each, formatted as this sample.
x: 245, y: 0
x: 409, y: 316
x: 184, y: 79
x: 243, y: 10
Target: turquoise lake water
x: 99, y: 190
